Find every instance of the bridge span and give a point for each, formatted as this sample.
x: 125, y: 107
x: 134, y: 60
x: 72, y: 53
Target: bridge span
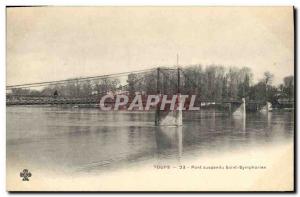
x: 158, y: 75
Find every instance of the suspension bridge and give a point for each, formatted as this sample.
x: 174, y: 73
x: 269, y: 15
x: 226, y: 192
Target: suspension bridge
x: 87, y: 91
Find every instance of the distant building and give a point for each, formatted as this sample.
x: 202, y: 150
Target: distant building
x: 284, y: 101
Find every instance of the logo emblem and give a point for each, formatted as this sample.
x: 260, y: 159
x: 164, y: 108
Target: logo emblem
x: 25, y: 174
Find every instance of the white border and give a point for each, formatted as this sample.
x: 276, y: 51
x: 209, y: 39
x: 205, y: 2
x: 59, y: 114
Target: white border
x: 5, y: 3
x: 152, y: 2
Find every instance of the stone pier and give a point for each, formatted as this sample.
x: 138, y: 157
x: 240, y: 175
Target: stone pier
x: 169, y: 118
x: 241, y: 110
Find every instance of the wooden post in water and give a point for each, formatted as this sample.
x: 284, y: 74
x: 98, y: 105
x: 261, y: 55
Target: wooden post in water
x: 230, y: 108
x: 157, y: 114
x: 244, y: 107
x: 178, y: 81
x: 179, y: 110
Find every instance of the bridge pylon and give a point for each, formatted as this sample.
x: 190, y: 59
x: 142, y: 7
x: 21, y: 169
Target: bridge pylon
x: 241, y: 110
x: 172, y: 117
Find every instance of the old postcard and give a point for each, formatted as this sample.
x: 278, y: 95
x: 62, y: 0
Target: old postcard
x: 150, y: 98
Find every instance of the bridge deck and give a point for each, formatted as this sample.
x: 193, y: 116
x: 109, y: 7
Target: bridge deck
x: 62, y: 101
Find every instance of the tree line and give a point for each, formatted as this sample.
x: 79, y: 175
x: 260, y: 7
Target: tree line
x: 214, y: 82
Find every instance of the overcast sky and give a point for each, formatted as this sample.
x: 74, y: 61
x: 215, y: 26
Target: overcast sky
x: 54, y: 43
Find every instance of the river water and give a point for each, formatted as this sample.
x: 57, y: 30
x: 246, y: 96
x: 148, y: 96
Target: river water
x: 74, y: 139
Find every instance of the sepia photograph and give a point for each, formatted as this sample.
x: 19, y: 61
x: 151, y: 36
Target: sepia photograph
x: 150, y: 98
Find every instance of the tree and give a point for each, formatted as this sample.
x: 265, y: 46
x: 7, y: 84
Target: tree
x: 132, y: 78
x: 86, y: 89
x: 268, y: 79
x: 288, y: 86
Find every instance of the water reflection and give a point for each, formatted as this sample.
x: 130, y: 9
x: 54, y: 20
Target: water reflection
x: 169, y: 142
x: 239, y: 122
x: 88, y: 138
x: 269, y: 118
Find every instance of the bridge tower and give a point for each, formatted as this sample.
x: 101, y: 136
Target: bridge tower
x: 172, y: 118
